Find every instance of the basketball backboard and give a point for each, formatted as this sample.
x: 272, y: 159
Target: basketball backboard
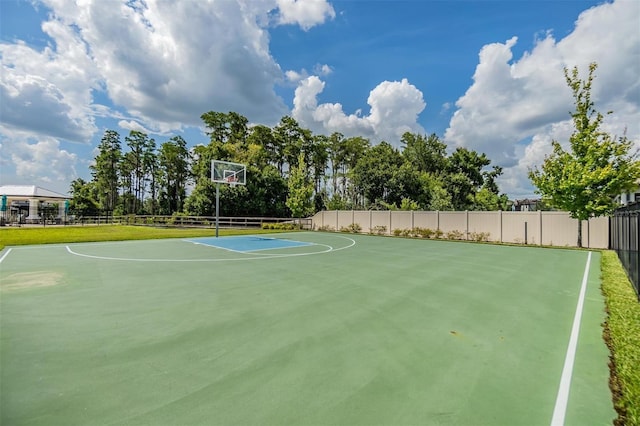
x: 228, y: 172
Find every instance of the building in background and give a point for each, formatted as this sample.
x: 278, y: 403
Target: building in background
x: 31, y: 204
x: 526, y: 205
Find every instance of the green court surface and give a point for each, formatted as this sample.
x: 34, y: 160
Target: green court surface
x: 313, y: 329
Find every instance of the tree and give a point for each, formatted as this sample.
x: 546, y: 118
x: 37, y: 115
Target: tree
x: 173, y: 163
x: 465, y: 177
x: 84, y: 198
x: 426, y: 154
x: 291, y: 138
x: 373, y: 173
x: 300, y: 186
x: 202, y: 200
x: 597, y: 167
x: 105, y: 170
x: 336, y: 154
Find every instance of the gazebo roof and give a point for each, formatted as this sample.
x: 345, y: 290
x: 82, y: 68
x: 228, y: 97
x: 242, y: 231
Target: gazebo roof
x: 30, y: 191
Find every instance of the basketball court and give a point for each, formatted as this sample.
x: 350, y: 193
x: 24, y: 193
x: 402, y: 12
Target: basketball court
x: 301, y: 328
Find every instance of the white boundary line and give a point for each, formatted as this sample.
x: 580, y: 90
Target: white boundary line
x: 5, y: 255
x: 562, y: 399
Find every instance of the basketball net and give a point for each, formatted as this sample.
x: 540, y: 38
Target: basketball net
x: 232, y: 180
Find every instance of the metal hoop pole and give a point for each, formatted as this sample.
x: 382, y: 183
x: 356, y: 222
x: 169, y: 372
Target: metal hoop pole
x: 217, y: 208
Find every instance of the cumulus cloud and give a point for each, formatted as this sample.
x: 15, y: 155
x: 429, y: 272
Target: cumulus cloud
x: 133, y: 125
x: 48, y: 92
x: 306, y: 13
x: 160, y: 71
x: 514, y: 108
x: 41, y: 162
x: 147, y: 62
x: 296, y: 77
x: 161, y: 63
x: 394, y: 109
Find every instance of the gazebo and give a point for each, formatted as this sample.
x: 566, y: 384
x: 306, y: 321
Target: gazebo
x: 16, y: 199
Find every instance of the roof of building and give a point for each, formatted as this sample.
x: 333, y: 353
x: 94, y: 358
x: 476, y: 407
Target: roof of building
x: 31, y: 191
x: 526, y: 201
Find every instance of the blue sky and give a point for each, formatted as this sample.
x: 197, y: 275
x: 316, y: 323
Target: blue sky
x: 486, y: 75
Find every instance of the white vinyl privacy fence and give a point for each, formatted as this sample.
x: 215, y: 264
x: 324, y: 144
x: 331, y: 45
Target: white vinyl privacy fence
x: 535, y: 228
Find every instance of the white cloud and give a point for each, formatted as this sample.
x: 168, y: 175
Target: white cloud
x: 323, y: 70
x: 527, y: 101
x: 141, y: 54
x: 161, y: 71
x: 297, y: 76
x: 133, y: 125
x: 306, y: 13
x: 48, y: 92
x: 41, y: 162
x: 394, y: 110
x: 161, y: 63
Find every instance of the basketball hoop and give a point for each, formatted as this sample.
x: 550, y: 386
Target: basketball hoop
x: 228, y: 173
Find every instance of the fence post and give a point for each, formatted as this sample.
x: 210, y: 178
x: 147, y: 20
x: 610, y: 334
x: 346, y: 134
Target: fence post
x: 466, y: 233
x: 540, y: 223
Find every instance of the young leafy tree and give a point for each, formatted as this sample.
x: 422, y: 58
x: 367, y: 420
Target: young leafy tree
x: 597, y: 167
x: 300, y: 200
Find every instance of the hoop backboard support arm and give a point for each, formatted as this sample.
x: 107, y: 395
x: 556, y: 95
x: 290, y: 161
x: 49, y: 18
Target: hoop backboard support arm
x: 228, y: 173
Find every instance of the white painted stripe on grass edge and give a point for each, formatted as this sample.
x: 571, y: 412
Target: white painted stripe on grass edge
x: 5, y: 255
x: 565, y: 382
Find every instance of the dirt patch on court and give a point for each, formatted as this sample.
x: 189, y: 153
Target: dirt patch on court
x: 27, y: 280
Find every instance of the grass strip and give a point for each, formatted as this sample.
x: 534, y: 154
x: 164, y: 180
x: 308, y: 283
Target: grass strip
x: 622, y: 334
x: 92, y: 233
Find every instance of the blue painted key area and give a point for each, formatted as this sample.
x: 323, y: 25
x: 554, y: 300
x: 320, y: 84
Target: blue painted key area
x: 248, y: 243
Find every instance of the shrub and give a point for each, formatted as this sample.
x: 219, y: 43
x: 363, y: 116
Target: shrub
x: 354, y: 228
x: 479, y: 236
x: 326, y: 228
x: 407, y: 233
x: 437, y: 233
x: 280, y: 226
x: 397, y: 232
x: 423, y: 232
x: 378, y: 230
x: 455, y: 235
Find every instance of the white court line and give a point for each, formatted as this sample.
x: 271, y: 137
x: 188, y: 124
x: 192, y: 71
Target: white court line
x: 5, y: 255
x: 565, y: 382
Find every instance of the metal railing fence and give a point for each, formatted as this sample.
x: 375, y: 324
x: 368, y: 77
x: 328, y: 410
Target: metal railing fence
x: 624, y: 236
x: 179, y: 221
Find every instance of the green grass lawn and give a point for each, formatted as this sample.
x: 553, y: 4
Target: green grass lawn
x: 92, y: 233
x: 623, y: 338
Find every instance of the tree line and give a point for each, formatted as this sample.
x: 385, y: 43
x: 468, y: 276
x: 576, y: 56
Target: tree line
x: 290, y: 171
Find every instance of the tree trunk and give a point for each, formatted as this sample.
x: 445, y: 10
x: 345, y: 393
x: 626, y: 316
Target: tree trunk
x: 579, y: 233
